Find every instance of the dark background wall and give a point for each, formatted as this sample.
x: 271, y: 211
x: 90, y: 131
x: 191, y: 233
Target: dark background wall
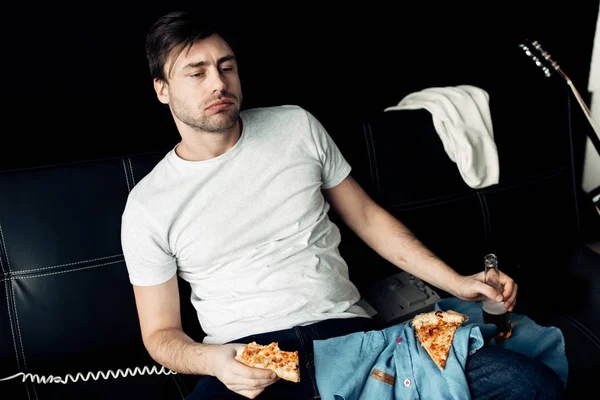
x: 76, y: 84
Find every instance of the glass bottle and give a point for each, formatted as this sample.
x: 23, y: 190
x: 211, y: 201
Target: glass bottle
x: 494, y: 311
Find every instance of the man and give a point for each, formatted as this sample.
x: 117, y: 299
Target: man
x: 239, y: 210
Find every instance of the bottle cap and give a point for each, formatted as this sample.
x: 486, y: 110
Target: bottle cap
x: 491, y: 259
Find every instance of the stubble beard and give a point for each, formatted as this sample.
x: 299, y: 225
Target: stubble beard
x: 220, y: 122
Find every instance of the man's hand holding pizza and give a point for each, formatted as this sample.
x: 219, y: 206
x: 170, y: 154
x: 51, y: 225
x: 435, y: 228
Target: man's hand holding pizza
x: 237, y: 377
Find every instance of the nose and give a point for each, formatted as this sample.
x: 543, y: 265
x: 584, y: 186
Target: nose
x: 218, y: 81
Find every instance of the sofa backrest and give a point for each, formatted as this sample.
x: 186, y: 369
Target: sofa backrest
x: 532, y: 219
x: 68, y: 306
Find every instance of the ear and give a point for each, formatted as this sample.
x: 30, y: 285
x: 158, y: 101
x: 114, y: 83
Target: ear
x: 162, y: 90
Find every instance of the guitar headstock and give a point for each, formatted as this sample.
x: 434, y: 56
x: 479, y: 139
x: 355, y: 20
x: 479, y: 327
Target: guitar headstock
x: 541, y: 58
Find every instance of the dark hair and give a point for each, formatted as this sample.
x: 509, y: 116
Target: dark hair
x: 177, y: 29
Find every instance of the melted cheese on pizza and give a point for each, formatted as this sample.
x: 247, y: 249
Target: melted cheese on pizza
x: 435, y: 331
x: 284, y: 363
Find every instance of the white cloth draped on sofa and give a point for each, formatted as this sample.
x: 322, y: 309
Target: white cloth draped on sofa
x: 462, y: 118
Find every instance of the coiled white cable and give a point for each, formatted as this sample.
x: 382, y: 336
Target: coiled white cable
x: 95, y: 376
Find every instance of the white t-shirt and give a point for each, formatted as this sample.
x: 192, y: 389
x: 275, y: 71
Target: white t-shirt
x: 248, y: 229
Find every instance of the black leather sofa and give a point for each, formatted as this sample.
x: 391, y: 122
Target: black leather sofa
x: 67, y: 306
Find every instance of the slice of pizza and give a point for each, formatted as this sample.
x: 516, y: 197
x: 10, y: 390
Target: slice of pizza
x: 435, y: 331
x: 284, y: 363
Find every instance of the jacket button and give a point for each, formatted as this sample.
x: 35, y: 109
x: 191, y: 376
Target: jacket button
x: 407, y: 382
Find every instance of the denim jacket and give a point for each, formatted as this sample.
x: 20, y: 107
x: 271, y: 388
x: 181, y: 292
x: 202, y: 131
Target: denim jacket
x: 391, y: 364
x: 544, y: 343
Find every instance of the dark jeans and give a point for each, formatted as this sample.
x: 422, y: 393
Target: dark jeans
x: 492, y: 373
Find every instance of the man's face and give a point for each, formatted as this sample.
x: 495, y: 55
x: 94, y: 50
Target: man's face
x: 203, y: 90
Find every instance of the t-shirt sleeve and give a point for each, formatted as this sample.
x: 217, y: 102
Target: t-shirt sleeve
x: 147, y: 257
x: 335, y: 167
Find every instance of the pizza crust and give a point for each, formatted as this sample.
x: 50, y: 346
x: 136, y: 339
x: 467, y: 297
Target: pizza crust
x: 284, y: 363
x: 435, y: 317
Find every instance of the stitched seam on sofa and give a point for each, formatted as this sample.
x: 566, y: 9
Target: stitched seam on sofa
x: 527, y: 181
x: 583, y: 329
x: 12, y: 329
x: 431, y: 202
x: 27, y: 390
x: 126, y: 177
x: 71, y: 164
x: 486, y: 219
x: 64, y: 272
x: 34, y: 391
x: 178, y: 388
x: 368, y: 132
x: 8, y: 302
x: 35, y: 395
x: 448, y: 198
x: 14, y: 298
x: 25, y: 271
x: 131, y: 170
x: 3, y: 253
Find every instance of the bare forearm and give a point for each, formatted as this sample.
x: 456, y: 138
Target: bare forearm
x: 397, y: 244
x: 175, y: 350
